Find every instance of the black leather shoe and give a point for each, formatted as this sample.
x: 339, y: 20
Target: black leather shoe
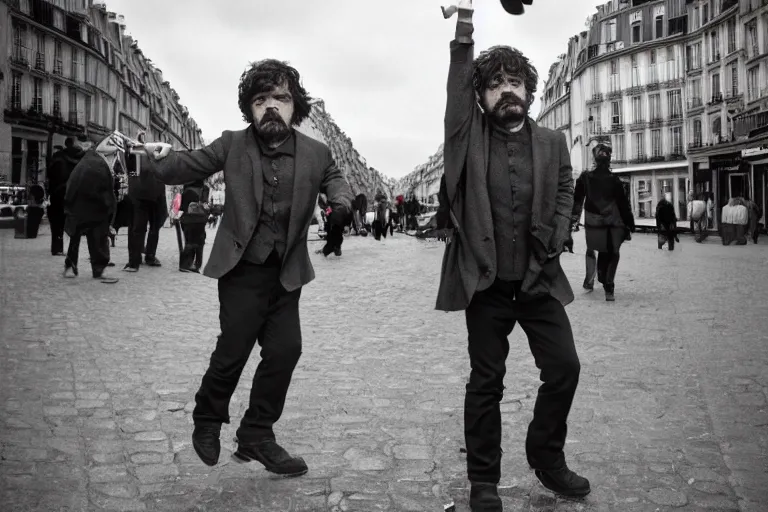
x: 205, y: 440
x: 564, y: 482
x: 152, y: 262
x: 484, y: 497
x: 273, y: 456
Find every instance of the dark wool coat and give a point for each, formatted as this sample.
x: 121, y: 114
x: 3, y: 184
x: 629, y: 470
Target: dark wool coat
x: 608, y: 214
x: 238, y: 154
x: 469, y: 263
x: 90, y: 196
x: 62, y: 164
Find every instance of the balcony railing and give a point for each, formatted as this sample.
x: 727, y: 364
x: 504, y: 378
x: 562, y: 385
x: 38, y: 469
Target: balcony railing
x: 20, y: 55
x: 37, y: 105
x: 639, y: 158
x: 745, y: 123
x: 695, y: 144
x: 57, y: 67
x: 716, y: 99
x: 40, y: 61
x: 637, y: 124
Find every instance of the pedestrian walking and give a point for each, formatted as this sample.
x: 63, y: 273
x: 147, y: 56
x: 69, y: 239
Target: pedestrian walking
x: 608, y: 219
x: 666, y: 222
x: 273, y: 175
x: 194, y: 205
x: 697, y: 212
x: 90, y: 204
x: 511, y: 211
x: 62, y: 164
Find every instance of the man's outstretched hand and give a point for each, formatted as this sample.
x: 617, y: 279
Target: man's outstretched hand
x: 157, y: 150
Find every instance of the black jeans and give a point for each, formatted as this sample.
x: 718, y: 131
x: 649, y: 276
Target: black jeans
x: 254, y: 306
x: 605, y: 265
x: 145, y: 212
x: 97, y: 235
x: 333, y: 239
x: 56, y: 220
x: 491, y: 316
x: 194, y: 242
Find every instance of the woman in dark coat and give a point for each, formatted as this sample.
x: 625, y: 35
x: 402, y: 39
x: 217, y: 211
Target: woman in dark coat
x: 608, y: 219
x: 89, y: 204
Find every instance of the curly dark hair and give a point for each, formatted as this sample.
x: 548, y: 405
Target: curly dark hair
x: 512, y: 61
x: 266, y: 74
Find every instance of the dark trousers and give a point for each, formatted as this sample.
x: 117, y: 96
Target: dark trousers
x: 490, y: 317
x: 379, y: 229
x: 56, y: 220
x: 97, y: 235
x: 604, y: 265
x: 667, y: 234
x: 254, y: 306
x: 144, y: 213
x: 333, y: 239
x: 194, y: 242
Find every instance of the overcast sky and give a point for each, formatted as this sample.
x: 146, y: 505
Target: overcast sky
x: 380, y: 66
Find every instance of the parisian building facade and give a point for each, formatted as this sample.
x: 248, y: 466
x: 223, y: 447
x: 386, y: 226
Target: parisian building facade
x: 677, y: 86
x: 68, y: 69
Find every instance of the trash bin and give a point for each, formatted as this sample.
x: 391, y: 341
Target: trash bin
x: 27, y: 223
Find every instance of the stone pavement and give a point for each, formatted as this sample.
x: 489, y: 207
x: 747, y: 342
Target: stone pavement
x: 97, y: 384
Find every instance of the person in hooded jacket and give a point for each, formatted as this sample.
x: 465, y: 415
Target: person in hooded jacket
x: 608, y: 219
x: 666, y: 222
x: 62, y: 164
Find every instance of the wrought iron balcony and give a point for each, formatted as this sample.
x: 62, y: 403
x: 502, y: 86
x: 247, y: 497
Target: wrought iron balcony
x: 695, y: 144
x: 743, y: 124
x: 20, y: 55
x: 639, y: 158
x: 716, y: 99
x: 40, y: 61
x: 57, y: 67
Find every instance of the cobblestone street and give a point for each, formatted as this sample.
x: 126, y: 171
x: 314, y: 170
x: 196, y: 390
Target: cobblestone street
x: 97, y: 385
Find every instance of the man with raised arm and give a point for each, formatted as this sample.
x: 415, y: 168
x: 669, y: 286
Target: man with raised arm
x: 505, y: 206
x: 273, y: 175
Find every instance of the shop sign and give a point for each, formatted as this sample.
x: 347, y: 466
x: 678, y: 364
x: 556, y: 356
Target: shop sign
x: 728, y: 161
x: 758, y: 151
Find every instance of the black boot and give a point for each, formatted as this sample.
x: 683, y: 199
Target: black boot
x: 273, y: 456
x: 205, y: 440
x: 484, y: 497
x: 564, y: 482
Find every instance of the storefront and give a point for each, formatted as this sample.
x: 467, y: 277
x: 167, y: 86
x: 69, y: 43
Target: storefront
x: 649, y: 183
x: 729, y: 178
x: 757, y: 161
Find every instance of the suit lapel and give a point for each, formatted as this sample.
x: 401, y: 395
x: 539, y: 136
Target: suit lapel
x: 255, y: 181
x: 299, y: 199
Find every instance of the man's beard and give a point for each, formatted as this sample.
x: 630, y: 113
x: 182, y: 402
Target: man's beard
x: 504, y: 112
x: 272, y: 128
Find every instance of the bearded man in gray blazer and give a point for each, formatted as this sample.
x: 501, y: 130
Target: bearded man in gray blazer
x: 273, y: 175
x: 506, y: 199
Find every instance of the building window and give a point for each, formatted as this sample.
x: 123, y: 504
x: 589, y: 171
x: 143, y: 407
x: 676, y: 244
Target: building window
x: 714, y: 47
x: 752, y: 83
x: 610, y: 31
x: 697, y: 133
x: 734, y: 89
x: 57, y: 100
x: 731, y: 29
x: 637, y: 109
x: 635, y: 72
x: 693, y: 57
x: 656, y: 143
x: 717, y: 94
x: 614, y: 83
x: 716, y: 129
x: 57, y: 62
x: 16, y: 91
x: 638, y: 146
x: 73, y: 105
x: 654, y: 105
x: 659, y: 27
x: 750, y: 33
x: 637, y: 33
x: 594, y: 120
x: 40, y: 53
x: 616, y: 113
x: 20, y: 50
x: 674, y: 100
x: 73, y: 72
x: 694, y: 93
x: 619, y: 148
x: 705, y: 14
x: 37, y: 95
x: 676, y: 139
x: 653, y: 74
x: 644, y: 198
x: 88, y: 109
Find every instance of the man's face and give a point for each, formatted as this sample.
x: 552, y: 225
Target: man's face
x: 603, y: 155
x: 273, y: 113
x: 505, y: 98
